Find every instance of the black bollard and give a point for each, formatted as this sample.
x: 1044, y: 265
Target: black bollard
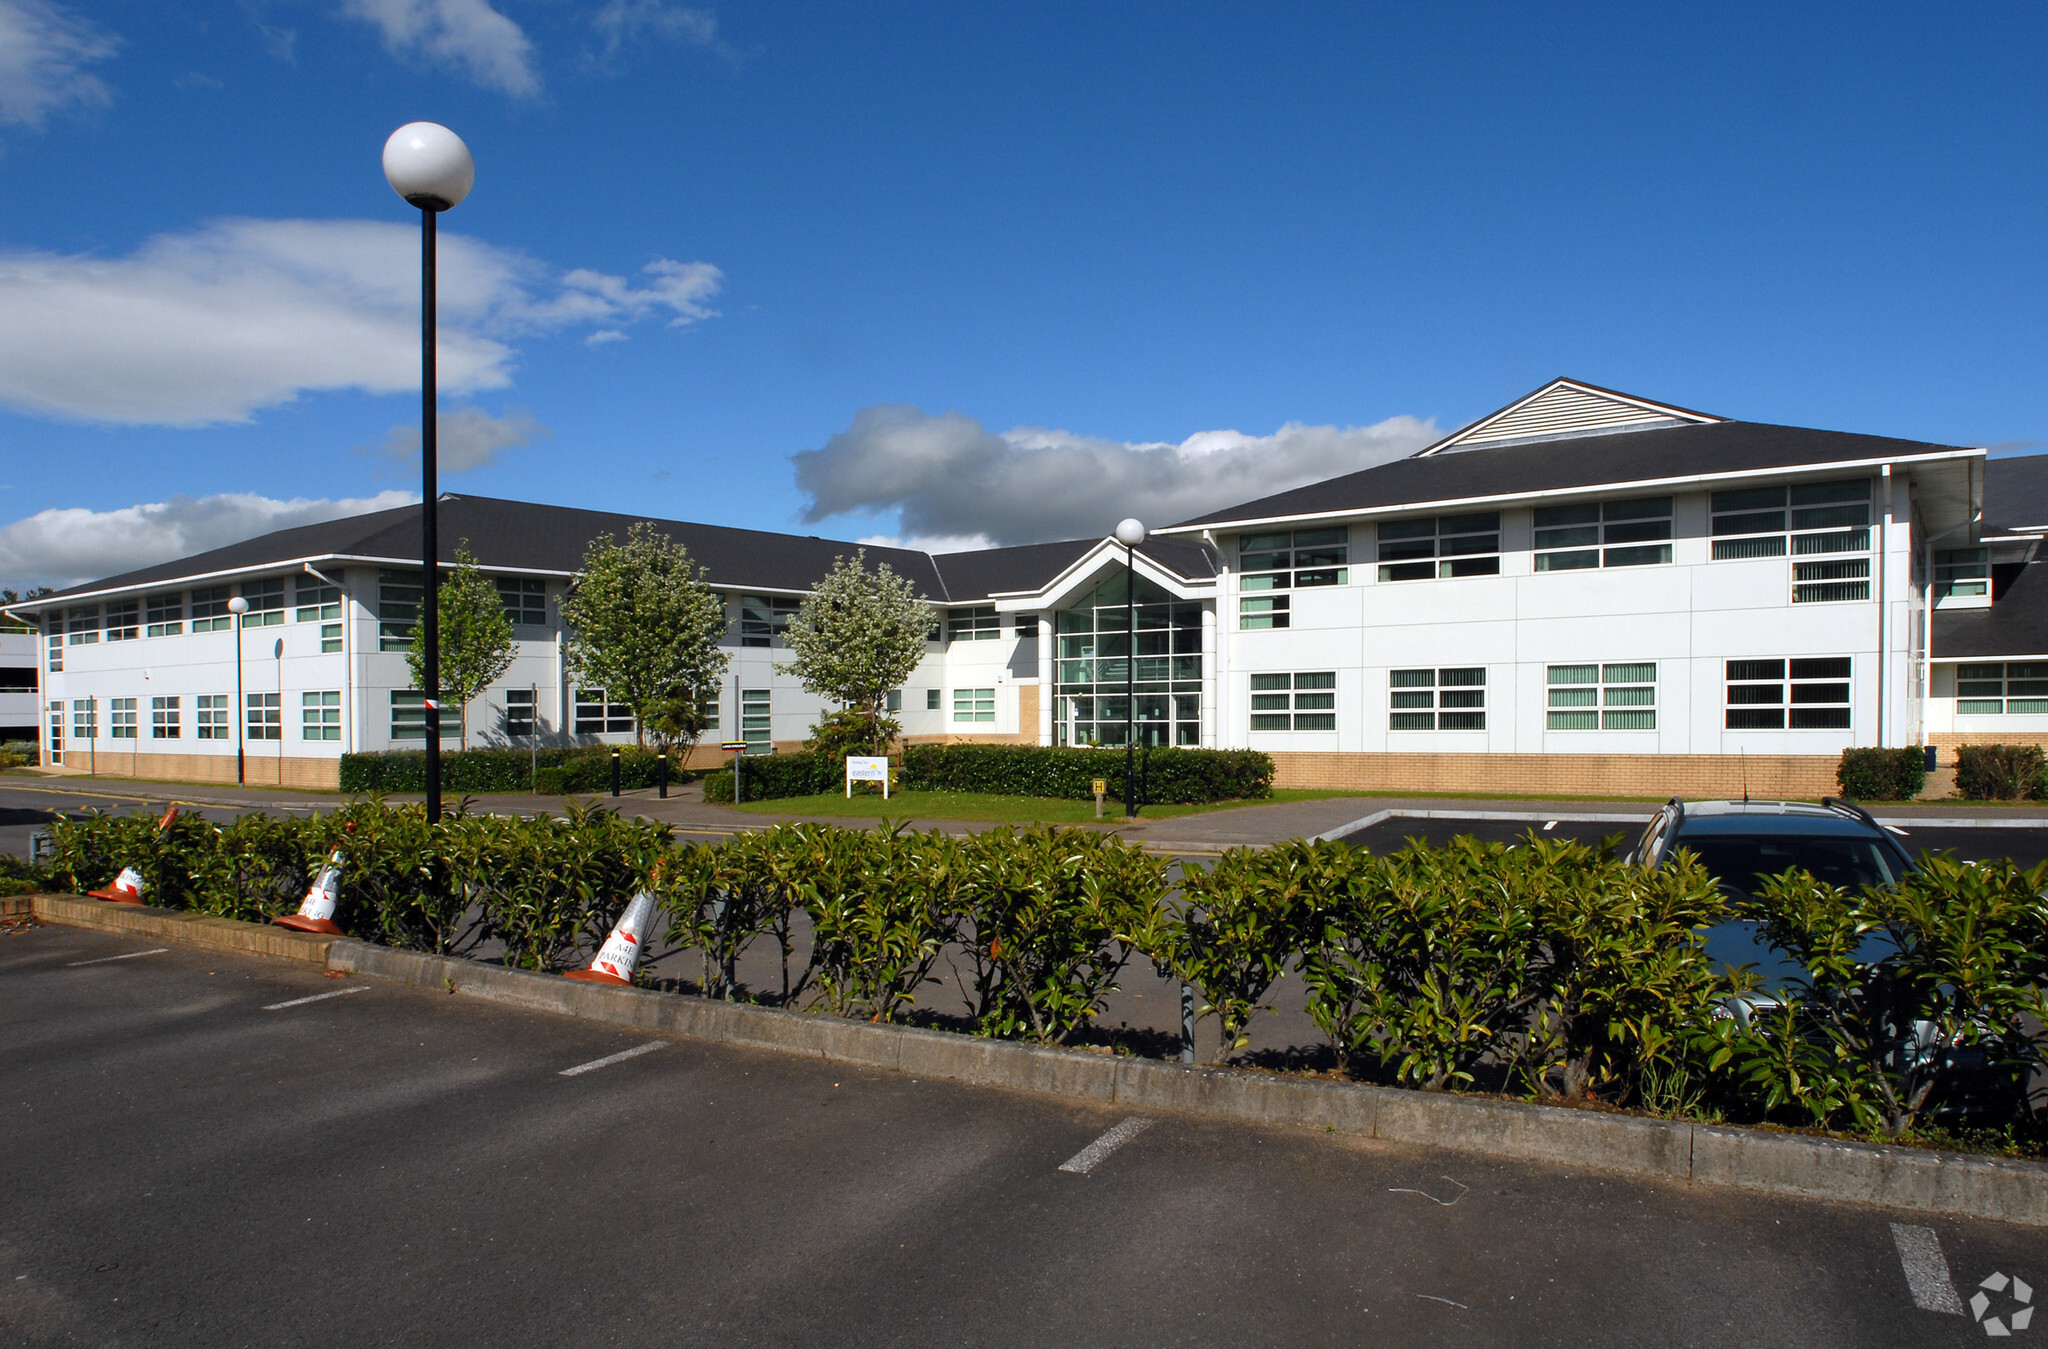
x: 1187, y: 1023
x: 661, y: 773
x: 615, y: 772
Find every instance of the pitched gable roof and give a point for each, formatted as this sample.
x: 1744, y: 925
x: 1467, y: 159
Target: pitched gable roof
x: 1564, y: 408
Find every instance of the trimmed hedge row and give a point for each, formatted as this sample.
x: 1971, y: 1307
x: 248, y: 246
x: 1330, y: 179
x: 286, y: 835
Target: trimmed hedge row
x: 1166, y: 776
x: 1882, y: 774
x: 1547, y: 967
x: 2001, y: 772
x: 561, y: 771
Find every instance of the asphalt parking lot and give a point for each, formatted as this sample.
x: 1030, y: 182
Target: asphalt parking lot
x: 215, y: 1150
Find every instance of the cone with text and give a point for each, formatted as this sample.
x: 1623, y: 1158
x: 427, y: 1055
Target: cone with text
x: 127, y: 887
x: 620, y: 955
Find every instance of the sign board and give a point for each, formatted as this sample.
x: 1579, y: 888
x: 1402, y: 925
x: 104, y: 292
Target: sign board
x: 1102, y: 786
x: 863, y: 768
x: 734, y: 747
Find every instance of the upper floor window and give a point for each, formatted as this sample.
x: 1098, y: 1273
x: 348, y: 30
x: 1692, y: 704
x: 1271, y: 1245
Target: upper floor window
x: 1439, y: 545
x: 210, y: 610
x: 1293, y: 559
x: 164, y: 615
x: 1828, y: 522
x: 399, y: 595
x: 317, y: 601
x: 124, y: 620
x: 1961, y: 571
x: 525, y: 599
x: 1603, y: 534
x: 84, y: 623
x: 979, y: 624
x: 266, y: 602
x: 53, y: 639
x: 763, y: 618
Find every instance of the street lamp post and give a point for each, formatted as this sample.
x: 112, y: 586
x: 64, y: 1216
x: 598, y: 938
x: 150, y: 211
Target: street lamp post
x: 239, y: 606
x: 429, y: 166
x: 1130, y: 533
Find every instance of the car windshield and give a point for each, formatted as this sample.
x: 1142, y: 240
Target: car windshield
x: 1739, y: 861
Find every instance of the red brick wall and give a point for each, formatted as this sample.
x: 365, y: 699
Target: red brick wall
x: 1643, y: 775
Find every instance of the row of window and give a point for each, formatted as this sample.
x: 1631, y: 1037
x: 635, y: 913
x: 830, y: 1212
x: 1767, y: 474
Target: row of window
x: 1761, y: 695
x: 2009, y: 688
x: 320, y: 717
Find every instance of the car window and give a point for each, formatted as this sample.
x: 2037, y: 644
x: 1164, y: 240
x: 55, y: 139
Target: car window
x: 1740, y: 860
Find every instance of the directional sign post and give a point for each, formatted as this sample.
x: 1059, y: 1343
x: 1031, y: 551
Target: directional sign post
x: 736, y: 748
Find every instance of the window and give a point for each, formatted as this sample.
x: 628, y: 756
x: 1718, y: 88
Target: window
x: 165, y: 614
x: 1824, y: 521
x: 525, y: 599
x: 320, y: 715
x: 1439, y: 546
x: 756, y: 724
x: 2014, y: 689
x: 1960, y: 572
x: 56, y: 710
x: 893, y: 701
x: 84, y: 623
x: 763, y: 618
x: 932, y: 700
x: 1099, y: 674
x: 1603, y: 534
x: 520, y: 708
x: 1300, y: 702
x: 974, y: 705
x: 320, y: 603
x: 53, y: 644
x: 978, y: 624
x: 399, y: 594
x: 1294, y: 559
x: 17, y: 679
x: 1819, y: 694
x: 124, y: 623
x: 210, y: 610
x: 1615, y: 697
x: 1027, y: 627
x: 121, y: 718
x: 163, y: 718
x: 266, y: 714
x: 85, y: 719
x: 210, y: 716
x: 1436, y: 700
x: 595, y: 716
x: 1262, y: 611
x: 266, y: 602
x: 408, y: 714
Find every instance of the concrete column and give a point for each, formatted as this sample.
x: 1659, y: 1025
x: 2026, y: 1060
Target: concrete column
x: 1047, y: 688
x: 1210, y: 682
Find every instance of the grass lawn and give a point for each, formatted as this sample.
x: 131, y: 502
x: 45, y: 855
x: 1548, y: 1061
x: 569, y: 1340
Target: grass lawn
x: 982, y: 806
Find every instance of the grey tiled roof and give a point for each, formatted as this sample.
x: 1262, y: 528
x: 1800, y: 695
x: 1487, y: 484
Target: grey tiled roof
x: 2016, y: 493
x: 2017, y: 625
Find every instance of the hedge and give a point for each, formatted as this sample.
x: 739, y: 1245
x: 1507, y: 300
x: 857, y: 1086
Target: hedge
x: 561, y: 771
x: 1545, y: 968
x: 2001, y: 772
x: 1165, y: 776
x: 1882, y: 774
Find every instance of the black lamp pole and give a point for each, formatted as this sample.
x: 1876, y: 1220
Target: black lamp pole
x: 1130, y: 683
x: 430, y: 542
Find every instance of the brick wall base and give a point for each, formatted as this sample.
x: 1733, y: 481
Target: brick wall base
x: 1948, y: 740
x: 262, y: 769
x: 1789, y: 776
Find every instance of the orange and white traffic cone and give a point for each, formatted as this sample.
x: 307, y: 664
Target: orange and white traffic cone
x: 316, y: 914
x: 620, y: 954
x: 127, y: 887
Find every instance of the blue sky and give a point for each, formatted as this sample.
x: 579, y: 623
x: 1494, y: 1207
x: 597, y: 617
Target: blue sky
x: 994, y: 273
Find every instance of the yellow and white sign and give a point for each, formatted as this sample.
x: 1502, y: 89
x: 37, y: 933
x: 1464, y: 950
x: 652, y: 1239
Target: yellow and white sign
x: 862, y: 768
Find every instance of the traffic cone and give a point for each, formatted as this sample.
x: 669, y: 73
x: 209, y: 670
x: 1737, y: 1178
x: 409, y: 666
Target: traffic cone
x: 127, y: 887
x: 620, y: 954
x: 316, y: 914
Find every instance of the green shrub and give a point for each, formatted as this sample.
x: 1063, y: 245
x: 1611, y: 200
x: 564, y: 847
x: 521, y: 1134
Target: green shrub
x: 587, y: 769
x: 1882, y: 774
x: 552, y: 886
x: 1165, y: 776
x: 1999, y: 772
x: 770, y: 777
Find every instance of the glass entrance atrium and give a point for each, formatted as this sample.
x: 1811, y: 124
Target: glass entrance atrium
x: 1093, y: 665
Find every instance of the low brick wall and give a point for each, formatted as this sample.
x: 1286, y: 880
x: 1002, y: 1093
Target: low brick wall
x: 1648, y: 775
x: 263, y: 768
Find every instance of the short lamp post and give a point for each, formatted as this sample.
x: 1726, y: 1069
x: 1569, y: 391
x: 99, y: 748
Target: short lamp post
x: 429, y: 166
x: 1130, y: 533
x: 239, y: 606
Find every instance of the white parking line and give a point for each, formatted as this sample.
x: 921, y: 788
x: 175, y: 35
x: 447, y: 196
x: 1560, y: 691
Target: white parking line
x: 1086, y: 1160
x: 104, y: 959
x: 317, y: 997
x: 1926, y: 1269
x: 610, y: 1059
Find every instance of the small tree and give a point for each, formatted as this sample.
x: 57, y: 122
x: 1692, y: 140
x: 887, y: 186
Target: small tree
x: 476, y: 637
x: 858, y: 635
x: 643, y: 625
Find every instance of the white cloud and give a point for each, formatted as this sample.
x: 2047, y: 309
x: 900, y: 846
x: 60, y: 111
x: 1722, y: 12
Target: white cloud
x: 209, y: 326
x: 470, y: 437
x: 44, y: 52
x: 63, y: 547
x: 619, y: 22
x: 931, y: 543
x: 948, y: 477
x: 467, y: 35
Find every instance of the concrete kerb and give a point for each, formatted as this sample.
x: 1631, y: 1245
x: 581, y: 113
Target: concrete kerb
x: 1725, y: 1157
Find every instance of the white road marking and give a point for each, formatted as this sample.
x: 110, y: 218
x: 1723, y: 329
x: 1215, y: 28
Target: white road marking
x: 610, y: 1059
x: 1463, y: 1190
x: 104, y: 959
x: 1086, y: 1160
x: 317, y: 997
x: 1549, y: 825
x: 1432, y: 1297
x: 1926, y: 1269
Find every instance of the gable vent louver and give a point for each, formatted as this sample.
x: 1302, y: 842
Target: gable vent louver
x: 1563, y: 409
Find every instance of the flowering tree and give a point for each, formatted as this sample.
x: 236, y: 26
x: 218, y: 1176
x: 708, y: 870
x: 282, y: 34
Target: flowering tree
x: 476, y: 637
x: 644, y: 626
x: 856, y: 636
